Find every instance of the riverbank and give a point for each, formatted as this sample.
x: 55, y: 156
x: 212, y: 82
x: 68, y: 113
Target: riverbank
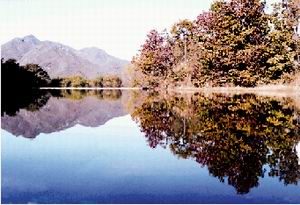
x: 90, y: 88
x: 267, y: 90
x: 277, y: 90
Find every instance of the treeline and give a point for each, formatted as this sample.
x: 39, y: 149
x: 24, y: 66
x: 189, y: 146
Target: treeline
x: 17, y: 83
x: 33, y: 76
x: 235, y: 43
x: 78, y: 81
x: 22, y: 77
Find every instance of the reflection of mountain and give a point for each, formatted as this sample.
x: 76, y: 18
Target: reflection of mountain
x: 59, y: 114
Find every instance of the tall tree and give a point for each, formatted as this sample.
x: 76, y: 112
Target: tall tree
x: 235, y: 43
x: 155, y: 58
x: 282, y: 50
x: 182, y: 45
x: 234, y: 33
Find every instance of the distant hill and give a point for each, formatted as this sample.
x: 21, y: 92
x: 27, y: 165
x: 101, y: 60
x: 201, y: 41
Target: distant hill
x: 62, y: 61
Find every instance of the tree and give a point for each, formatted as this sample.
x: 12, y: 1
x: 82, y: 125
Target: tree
x: 23, y: 77
x: 182, y: 44
x: 41, y: 77
x: 235, y: 43
x: 282, y: 50
x: 19, y: 87
x: 112, y: 81
x: 232, y: 35
x: 155, y: 59
x: 182, y: 35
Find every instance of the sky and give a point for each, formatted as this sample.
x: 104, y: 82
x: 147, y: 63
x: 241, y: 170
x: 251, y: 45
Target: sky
x: 117, y: 26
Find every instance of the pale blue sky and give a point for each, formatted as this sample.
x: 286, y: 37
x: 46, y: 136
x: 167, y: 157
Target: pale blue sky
x: 117, y: 26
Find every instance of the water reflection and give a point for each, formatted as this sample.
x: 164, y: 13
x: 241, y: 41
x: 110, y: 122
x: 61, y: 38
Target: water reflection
x: 81, y: 94
x: 233, y: 136
x: 31, y: 100
x: 241, y: 140
x: 55, y: 110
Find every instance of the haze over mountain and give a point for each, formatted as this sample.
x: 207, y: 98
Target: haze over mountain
x: 60, y: 60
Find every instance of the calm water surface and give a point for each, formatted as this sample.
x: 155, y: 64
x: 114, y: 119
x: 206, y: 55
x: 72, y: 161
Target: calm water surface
x: 122, y: 147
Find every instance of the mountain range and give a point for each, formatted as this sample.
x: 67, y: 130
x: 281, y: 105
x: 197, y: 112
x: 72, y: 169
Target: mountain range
x: 62, y: 61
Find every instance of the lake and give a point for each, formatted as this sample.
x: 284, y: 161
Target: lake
x: 148, y: 147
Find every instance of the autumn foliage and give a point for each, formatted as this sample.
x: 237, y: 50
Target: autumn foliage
x: 78, y: 81
x: 235, y: 43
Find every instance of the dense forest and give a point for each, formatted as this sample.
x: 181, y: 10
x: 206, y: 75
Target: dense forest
x: 235, y: 43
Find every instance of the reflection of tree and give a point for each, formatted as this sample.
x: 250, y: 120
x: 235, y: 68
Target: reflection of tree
x: 233, y: 136
x: 80, y: 94
x: 31, y: 100
x: 34, y: 99
x: 19, y: 87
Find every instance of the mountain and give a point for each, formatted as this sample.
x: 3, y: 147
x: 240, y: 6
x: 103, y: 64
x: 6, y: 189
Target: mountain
x: 101, y: 58
x: 17, y: 47
x: 60, y: 60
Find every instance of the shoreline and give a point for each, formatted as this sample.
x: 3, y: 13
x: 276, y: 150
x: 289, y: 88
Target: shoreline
x: 89, y: 88
x: 267, y: 90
